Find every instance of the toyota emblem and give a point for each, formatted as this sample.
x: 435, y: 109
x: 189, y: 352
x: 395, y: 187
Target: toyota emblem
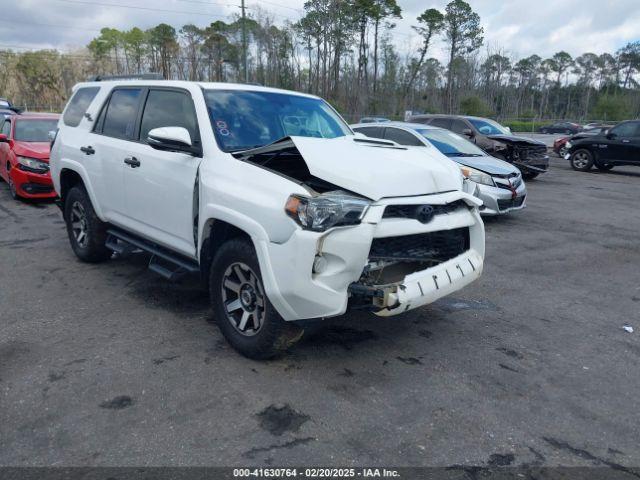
x: 424, y: 213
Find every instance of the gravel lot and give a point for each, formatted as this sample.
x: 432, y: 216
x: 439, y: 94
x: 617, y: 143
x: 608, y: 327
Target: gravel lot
x: 111, y: 365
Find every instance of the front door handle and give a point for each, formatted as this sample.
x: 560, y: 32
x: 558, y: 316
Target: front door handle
x: 626, y: 141
x: 133, y: 162
x: 88, y: 150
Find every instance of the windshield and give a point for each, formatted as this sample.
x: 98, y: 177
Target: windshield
x: 242, y: 120
x: 34, y: 130
x: 489, y: 127
x: 451, y: 144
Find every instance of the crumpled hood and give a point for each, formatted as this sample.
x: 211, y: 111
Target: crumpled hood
x: 514, y: 140
x: 487, y: 164
x: 37, y: 150
x: 376, y: 169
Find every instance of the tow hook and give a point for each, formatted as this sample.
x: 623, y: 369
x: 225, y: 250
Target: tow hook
x: 372, y: 297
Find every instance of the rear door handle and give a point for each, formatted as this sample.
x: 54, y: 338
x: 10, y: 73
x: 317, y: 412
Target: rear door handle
x: 626, y: 141
x: 88, y: 150
x: 133, y: 162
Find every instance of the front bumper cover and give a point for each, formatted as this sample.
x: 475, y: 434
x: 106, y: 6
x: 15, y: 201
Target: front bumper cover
x: 297, y: 292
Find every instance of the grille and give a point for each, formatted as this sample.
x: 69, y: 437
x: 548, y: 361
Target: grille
x: 409, y: 211
x: 511, y: 203
x: 432, y: 246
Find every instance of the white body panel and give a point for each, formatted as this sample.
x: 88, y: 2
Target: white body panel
x: 156, y: 201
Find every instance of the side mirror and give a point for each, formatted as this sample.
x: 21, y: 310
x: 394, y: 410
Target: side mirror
x: 611, y: 135
x: 468, y: 133
x: 171, y: 139
x: 3, y: 138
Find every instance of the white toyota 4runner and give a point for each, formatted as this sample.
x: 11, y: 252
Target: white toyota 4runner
x: 269, y: 196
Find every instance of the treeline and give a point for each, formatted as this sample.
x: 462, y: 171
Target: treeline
x: 347, y: 51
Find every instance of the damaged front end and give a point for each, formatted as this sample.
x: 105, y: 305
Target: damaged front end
x: 379, y: 229
x: 529, y: 156
x: 406, y: 271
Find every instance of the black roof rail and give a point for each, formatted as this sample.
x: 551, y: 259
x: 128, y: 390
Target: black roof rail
x: 141, y: 76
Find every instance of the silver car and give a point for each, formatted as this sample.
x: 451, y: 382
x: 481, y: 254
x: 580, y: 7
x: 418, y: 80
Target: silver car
x: 500, y: 184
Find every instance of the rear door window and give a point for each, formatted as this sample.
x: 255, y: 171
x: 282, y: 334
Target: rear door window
x: 441, y: 122
x: 373, y: 132
x: 401, y: 137
x: 121, y: 113
x: 168, y: 108
x: 78, y: 105
x: 459, y: 126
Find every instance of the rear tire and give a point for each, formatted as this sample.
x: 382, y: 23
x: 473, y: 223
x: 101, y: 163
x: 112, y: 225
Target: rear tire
x: 581, y: 160
x: 244, y: 314
x: 87, y: 233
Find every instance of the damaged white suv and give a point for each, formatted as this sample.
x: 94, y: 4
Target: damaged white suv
x: 269, y: 196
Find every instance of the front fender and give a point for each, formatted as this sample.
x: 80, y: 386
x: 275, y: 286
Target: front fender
x: 77, y: 167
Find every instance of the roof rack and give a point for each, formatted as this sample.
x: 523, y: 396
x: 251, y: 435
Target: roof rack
x: 141, y: 76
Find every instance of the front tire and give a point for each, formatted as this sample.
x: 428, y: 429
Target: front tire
x: 13, y: 191
x: 581, y: 160
x: 530, y: 175
x: 241, y: 308
x: 87, y: 233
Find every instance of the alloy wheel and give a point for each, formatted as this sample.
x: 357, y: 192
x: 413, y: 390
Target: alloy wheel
x: 79, y: 224
x: 243, y: 299
x: 580, y: 159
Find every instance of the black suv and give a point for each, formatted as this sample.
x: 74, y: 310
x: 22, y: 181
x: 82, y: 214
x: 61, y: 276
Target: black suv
x: 530, y: 156
x: 618, y: 146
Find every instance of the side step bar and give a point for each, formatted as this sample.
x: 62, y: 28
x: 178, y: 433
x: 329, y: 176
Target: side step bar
x: 163, y: 261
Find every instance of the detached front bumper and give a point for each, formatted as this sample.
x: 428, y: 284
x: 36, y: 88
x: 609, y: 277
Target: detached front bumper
x: 538, y: 164
x: 427, y: 286
x: 314, y: 275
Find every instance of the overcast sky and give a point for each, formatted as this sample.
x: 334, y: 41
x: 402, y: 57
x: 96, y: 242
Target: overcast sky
x: 517, y: 27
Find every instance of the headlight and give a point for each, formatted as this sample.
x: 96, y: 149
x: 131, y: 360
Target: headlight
x: 567, y: 145
x: 33, y: 165
x: 328, y: 210
x: 477, y: 176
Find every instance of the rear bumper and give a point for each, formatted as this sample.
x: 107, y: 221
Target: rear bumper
x: 32, y: 185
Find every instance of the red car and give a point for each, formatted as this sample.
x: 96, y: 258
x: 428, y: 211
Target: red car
x: 24, y: 154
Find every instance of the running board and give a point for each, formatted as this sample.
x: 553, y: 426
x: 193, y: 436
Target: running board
x: 163, y: 261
